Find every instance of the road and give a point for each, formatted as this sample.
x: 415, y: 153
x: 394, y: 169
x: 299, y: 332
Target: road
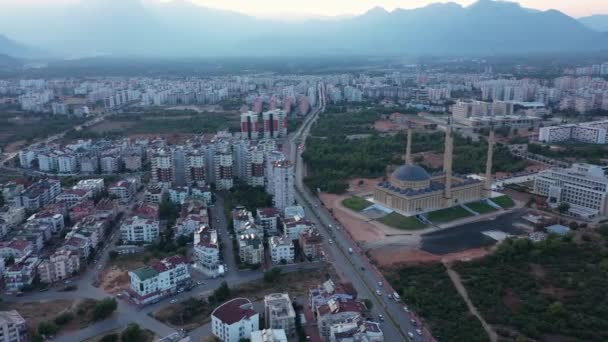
x: 354, y: 266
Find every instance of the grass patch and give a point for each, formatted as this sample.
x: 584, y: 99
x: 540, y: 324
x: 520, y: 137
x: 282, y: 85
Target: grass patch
x: 481, y: 207
x: 429, y: 292
x: 399, y: 221
x: 504, y: 201
x: 449, y: 214
x: 356, y: 203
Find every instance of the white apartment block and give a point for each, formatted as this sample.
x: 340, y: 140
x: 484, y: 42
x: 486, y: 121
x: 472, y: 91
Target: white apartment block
x: 13, y: 327
x: 281, y: 175
x: 587, y: 132
x: 61, y: 265
x: 234, y: 320
x: 279, y: 313
x: 207, y: 250
x: 281, y: 249
x: 293, y: 227
x: 139, y: 229
x: 224, y: 170
x: 584, y: 187
x: 150, y: 283
x: 163, y: 172
x: 67, y: 163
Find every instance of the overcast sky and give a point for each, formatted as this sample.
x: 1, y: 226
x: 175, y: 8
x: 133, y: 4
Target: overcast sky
x: 576, y: 8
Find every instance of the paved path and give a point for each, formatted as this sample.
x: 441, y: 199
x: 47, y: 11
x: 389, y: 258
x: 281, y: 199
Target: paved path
x: 455, y: 277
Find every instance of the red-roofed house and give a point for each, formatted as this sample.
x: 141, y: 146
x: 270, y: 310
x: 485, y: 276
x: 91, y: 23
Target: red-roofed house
x: 234, y: 320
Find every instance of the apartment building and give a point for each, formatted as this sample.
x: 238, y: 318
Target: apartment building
x: 234, y: 320
x: 151, y: 283
x: 139, y: 229
x: 584, y: 187
x: 207, y: 250
x: 13, y: 327
x: 279, y: 313
x: 62, y: 264
x: 251, y: 248
x: 281, y: 175
x: 311, y: 243
x: 268, y: 219
x: 281, y: 249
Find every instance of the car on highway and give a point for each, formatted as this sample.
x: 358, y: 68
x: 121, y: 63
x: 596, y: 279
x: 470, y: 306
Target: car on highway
x: 390, y: 296
x: 410, y: 334
x: 381, y: 318
x: 413, y: 321
x: 406, y: 309
x: 378, y: 293
x: 173, y: 301
x: 331, y: 242
x: 419, y: 332
x: 380, y: 284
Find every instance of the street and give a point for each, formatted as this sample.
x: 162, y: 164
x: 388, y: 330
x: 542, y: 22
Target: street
x: 354, y: 266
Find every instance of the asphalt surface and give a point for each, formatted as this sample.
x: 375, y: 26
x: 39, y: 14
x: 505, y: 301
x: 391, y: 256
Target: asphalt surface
x: 354, y: 266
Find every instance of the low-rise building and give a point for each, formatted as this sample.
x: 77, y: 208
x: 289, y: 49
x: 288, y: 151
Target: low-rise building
x: 337, y: 311
x: 16, y: 248
x: 282, y: 250
x: 294, y: 226
x: 21, y: 274
x: 364, y: 331
x: 268, y: 219
x: 279, y: 313
x: 207, y: 250
x: 139, y: 229
x: 71, y: 197
x: 311, y: 243
x: 269, y: 335
x: 234, y: 320
x: 123, y: 190
x: 151, y: 283
x: 251, y: 248
x: 61, y: 265
x: 13, y: 327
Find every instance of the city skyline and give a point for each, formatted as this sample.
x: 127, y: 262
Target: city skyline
x: 339, y: 8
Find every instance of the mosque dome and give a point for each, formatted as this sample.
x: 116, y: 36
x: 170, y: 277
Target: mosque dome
x: 411, y: 173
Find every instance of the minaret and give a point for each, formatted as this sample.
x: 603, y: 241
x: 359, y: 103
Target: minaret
x: 488, y: 182
x: 447, y: 163
x: 408, y: 146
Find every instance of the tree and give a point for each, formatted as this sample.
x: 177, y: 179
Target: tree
x: 132, y: 333
x: 272, y: 275
x: 109, y: 338
x: 47, y: 328
x: 113, y: 255
x: 563, y: 208
x: 104, y: 309
x: 63, y: 318
x: 220, y: 294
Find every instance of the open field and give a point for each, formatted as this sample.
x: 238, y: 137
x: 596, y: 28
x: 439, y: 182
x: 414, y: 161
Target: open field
x: 25, y: 128
x: 504, y: 201
x: 166, y: 122
x: 79, y: 311
x: 356, y: 203
x: 447, y: 215
x: 399, y: 221
x: 481, y: 207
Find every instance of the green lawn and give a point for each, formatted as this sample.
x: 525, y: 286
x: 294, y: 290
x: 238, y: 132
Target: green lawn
x: 504, y: 201
x: 447, y: 215
x: 401, y: 222
x: 481, y: 207
x: 356, y: 203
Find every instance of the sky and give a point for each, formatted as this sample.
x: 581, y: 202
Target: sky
x: 575, y: 8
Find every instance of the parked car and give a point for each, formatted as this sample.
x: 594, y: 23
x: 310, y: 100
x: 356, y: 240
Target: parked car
x: 378, y: 293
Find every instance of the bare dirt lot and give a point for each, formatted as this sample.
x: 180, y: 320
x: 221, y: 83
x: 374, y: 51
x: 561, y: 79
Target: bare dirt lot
x: 115, y: 276
x: 390, y: 256
x: 37, y: 312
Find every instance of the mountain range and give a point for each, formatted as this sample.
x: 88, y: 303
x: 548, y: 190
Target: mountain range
x: 182, y: 29
x: 596, y: 22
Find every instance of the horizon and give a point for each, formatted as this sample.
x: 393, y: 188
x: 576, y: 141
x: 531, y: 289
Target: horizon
x: 312, y: 9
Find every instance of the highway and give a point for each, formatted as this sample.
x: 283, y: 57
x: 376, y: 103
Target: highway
x: 355, y: 266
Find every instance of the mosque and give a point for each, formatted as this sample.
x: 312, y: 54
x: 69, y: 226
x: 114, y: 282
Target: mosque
x: 411, y: 190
